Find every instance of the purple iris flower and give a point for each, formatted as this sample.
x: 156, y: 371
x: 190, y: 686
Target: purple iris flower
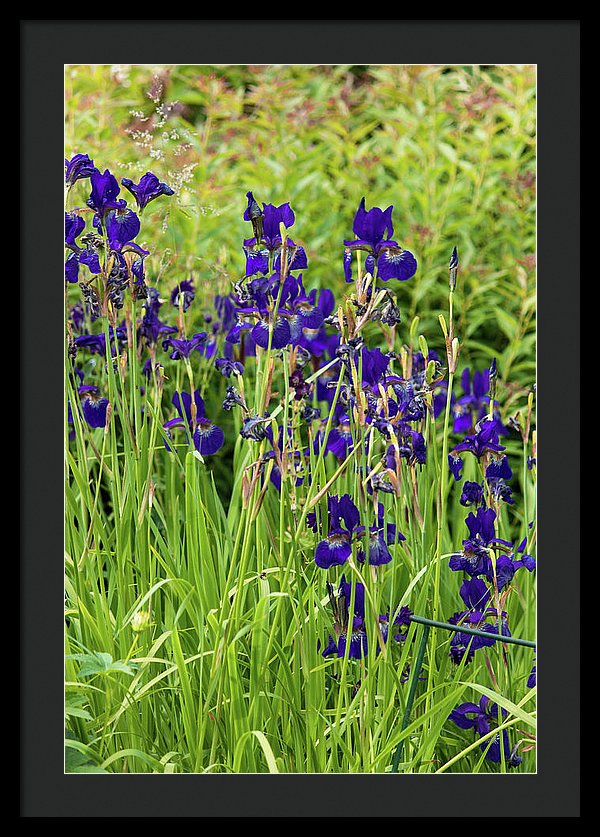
x: 408, y: 403
x: 374, y: 231
x: 206, y: 436
x: 411, y: 446
x: 257, y: 261
x: 472, y: 494
x: 475, y: 558
x: 96, y: 343
x: 455, y: 463
x: 229, y: 367
x: 148, y: 189
x: 74, y: 226
x: 476, y: 596
x: 345, y: 632
x: 483, y: 718
x: 474, y: 403
x: 78, y: 167
x: 354, y: 634
x: 72, y: 268
x: 122, y: 226
x: 183, y: 294
x: 301, y: 308
x: 483, y: 440
x: 281, y: 333
x: 317, y: 341
x: 340, y: 441
x: 94, y: 406
x: 151, y: 327
x: 182, y: 349
x: 343, y: 521
x: 496, y: 475
x: 374, y: 365
x: 104, y: 193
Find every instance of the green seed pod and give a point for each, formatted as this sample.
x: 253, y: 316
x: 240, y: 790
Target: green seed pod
x: 413, y: 328
x: 442, y: 321
x: 430, y: 372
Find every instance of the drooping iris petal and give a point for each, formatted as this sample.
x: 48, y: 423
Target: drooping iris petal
x: 499, y: 469
x: 296, y: 258
x: 281, y: 334
x: 330, y: 648
x: 475, y: 594
x: 74, y: 226
x: 455, y: 464
x: 348, y: 264
x: 334, y: 550
x: 257, y: 261
x: 374, y: 365
x: 340, y: 441
x: 94, y: 410
x: 379, y: 553
x: 91, y: 259
x: 122, y: 226
x: 208, y: 437
x: 358, y: 645
x: 465, y: 715
x: 72, y: 268
x: 395, y: 263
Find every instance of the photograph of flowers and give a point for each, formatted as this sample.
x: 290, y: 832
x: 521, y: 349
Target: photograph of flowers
x: 300, y: 418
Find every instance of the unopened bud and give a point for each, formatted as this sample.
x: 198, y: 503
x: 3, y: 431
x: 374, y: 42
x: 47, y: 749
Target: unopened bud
x: 493, y: 379
x: 442, y: 321
x: 424, y: 347
x: 430, y: 372
x: 413, y: 328
x: 453, y: 267
x: 404, y: 360
x: 455, y: 350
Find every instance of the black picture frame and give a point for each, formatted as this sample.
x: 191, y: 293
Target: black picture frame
x: 46, y: 46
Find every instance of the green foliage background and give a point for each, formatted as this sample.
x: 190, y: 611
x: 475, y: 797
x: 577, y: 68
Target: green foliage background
x: 452, y: 148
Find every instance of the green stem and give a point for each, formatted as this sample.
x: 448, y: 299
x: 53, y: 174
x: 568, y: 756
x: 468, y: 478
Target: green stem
x: 413, y: 690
